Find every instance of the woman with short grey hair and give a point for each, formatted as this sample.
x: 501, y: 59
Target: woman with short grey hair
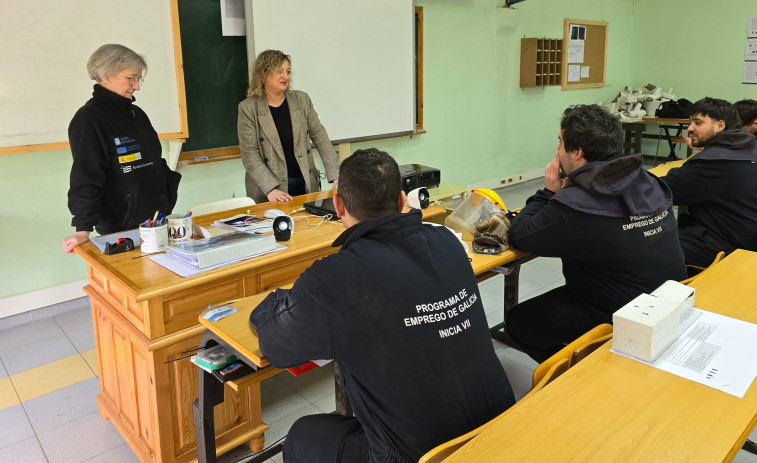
x: 118, y: 177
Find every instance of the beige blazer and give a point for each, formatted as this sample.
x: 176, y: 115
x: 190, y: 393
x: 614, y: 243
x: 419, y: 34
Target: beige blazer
x: 262, y: 154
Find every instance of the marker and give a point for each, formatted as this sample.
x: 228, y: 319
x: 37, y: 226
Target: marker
x: 160, y: 219
x: 202, y: 158
x: 155, y: 217
x: 189, y: 214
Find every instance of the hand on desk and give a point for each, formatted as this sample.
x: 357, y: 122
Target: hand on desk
x: 552, y: 180
x: 69, y: 243
x: 278, y: 195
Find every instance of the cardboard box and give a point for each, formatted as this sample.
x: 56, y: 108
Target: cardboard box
x: 645, y: 327
x: 674, y: 291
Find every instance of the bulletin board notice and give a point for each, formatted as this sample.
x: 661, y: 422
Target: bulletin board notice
x: 585, y: 54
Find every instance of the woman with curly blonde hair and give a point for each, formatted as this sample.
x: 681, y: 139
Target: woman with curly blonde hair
x: 275, y: 127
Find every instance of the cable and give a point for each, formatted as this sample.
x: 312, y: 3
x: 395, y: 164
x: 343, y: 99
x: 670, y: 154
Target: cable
x: 322, y: 219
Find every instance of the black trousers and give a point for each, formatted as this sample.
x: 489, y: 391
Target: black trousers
x: 326, y: 439
x: 543, y: 325
x: 700, y: 245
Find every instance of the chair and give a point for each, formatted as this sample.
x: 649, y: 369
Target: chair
x: 718, y: 258
x: 222, y: 205
x: 544, y: 374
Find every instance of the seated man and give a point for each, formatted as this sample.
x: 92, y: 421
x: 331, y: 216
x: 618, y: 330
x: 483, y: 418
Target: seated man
x: 399, y: 310
x: 717, y: 184
x: 610, y: 221
x: 747, y: 110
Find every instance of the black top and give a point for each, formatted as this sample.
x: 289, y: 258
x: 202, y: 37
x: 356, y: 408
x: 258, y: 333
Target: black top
x: 118, y: 177
x: 614, y: 229
x: 283, y: 121
x: 399, y: 309
x: 719, y: 185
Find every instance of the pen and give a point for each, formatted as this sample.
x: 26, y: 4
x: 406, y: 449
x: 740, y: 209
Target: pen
x: 160, y: 220
x: 155, y: 217
x: 189, y: 214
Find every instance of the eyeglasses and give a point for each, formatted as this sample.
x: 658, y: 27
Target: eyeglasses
x: 134, y: 79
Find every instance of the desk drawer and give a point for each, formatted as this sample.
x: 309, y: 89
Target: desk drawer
x: 182, y: 312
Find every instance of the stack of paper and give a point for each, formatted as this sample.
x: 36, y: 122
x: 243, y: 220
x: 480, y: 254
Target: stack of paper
x: 245, y: 223
x: 220, y: 249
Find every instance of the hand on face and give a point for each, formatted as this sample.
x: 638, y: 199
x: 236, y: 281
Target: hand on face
x: 552, y: 180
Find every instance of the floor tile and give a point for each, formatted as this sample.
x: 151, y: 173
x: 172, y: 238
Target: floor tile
x: 38, y: 353
x: 62, y: 406
x: 51, y: 377
x: 549, y: 263
x: 3, y: 372
x: 8, y: 396
x: 83, y: 338
x: 313, y: 385
x: 539, y: 276
x: 326, y: 404
x: 493, y: 302
x: 75, y: 319
x: 14, y: 427
x: 90, y: 356
x: 519, y: 376
x: 121, y: 454
x: 27, y: 451
x: 744, y: 457
x: 279, y: 400
x: 80, y: 439
x: 28, y: 333
x: 519, y: 357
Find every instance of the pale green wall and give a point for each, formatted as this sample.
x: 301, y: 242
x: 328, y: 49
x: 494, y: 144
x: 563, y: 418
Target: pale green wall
x: 694, y: 46
x: 480, y: 124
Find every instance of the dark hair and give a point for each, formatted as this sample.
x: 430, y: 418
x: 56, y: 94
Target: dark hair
x: 369, y: 184
x: 720, y: 110
x: 747, y: 110
x: 591, y: 128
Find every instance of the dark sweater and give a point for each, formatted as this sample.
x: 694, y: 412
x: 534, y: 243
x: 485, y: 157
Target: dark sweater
x: 719, y: 186
x: 283, y: 121
x: 118, y: 177
x: 399, y: 309
x: 614, y: 229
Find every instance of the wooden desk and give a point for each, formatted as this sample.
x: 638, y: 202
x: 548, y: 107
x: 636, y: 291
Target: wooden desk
x: 667, y: 124
x: 611, y: 408
x: 662, y: 169
x: 145, y: 316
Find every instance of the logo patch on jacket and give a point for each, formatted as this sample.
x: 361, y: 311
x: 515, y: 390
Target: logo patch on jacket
x: 129, y: 158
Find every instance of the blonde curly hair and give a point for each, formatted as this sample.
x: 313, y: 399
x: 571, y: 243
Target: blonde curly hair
x: 266, y: 62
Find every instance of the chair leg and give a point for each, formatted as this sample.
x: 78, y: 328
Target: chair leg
x: 750, y: 447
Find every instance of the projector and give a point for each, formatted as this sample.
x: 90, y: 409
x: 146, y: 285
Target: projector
x: 416, y: 176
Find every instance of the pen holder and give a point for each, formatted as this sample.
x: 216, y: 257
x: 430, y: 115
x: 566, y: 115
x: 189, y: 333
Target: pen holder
x: 154, y: 239
x: 179, y: 228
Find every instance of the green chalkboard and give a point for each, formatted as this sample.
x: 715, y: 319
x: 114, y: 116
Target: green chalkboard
x: 215, y: 75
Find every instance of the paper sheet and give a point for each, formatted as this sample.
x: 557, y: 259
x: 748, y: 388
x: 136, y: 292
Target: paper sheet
x: 752, y: 29
x: 714, y: 350
x: 575, y: 51
x: 101, y: 240
x: 184, y: 269
x: 232, y: 18
x: 749, y: 74
x: 574, y: 73
x: 750, y: 51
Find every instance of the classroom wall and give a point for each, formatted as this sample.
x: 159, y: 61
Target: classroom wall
x: 480, y: 125
x: 694, y: 46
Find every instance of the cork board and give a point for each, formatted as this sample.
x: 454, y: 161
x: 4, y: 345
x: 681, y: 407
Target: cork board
x: 584, y: 63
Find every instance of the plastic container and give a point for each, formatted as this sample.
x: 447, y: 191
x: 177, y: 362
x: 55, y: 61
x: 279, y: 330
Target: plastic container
x: 479, y: 205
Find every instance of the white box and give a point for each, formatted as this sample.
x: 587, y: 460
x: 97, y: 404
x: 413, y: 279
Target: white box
x: 674, y: 291
x: 645, y: 327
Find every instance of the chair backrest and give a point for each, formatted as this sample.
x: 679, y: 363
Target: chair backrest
x: 584, y: 350
x: 567, y: 351
x: 222, y: 205
x: 543, y: 375
x: 718, y: 258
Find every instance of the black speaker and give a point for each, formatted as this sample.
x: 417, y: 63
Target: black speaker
x: 283, y: 227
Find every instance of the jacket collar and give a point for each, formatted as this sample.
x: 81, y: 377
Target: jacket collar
x: 616, y: 188
x: 268, y: 126
x: 730, y: 145
x: 386, y: 227
x: 103, y: 95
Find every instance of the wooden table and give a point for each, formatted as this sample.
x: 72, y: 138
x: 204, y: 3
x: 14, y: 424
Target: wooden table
x: 667, y: 124
x: 236, y: 333
x: 145, y: 318
x: 610, y: 408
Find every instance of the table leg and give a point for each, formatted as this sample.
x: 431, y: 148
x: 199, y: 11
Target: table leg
x: 511, y: 275
x: 672, y: 156
x: 210, y: 395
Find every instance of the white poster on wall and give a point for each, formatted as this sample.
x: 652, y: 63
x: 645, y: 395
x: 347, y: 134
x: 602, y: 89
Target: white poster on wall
x: 749, y: 74
x: 751, y: 49
x: 752, y: 29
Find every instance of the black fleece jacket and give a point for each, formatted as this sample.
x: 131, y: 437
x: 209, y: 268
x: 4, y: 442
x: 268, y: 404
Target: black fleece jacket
x: 118, y: 177
x: 614, y: 229
x: 399, y: 309
x: 719, y: 186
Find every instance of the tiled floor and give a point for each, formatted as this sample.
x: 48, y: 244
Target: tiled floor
x: 48, y: 384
